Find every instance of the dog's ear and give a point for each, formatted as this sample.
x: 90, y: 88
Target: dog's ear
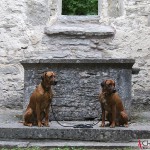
x: 43, y: 75
x: 103, y: 83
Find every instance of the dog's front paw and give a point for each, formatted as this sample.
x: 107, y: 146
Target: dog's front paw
x: 112, y: 125
x: 46, y: 124
x: 40, y: 124
x: 102, y: 125
x: 126, y: 125
x: 27, y: 124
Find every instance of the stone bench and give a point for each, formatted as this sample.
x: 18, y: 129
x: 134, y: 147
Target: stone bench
x: 76, y: 94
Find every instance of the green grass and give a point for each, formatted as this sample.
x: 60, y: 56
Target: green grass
x: 35, y: 148
x: 67, y: 148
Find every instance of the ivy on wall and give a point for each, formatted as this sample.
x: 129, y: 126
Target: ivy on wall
x: 79, y: 7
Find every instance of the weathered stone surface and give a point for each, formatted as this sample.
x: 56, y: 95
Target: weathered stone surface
x: 67, y: 143
x: 56, y: 132
x: 128, y: 62
x: 141, y: 100
x: 63, y: 19
x: 115, y: 8
x: 81, y: 30
x: 76, y: 94
x: 149, y: 20
x: 22, y: 36
x: 77, y: 40
x: 38, y: 12
x: 11, y: 87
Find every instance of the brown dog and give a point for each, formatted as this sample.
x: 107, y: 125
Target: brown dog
x: 111, y: 104
x: 40, y: 100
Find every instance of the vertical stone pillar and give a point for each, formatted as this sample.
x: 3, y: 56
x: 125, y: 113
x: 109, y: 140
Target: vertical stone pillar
x: 149, y: 19
x: 115, y: 8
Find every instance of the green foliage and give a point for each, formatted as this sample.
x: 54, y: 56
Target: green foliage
x: 79, y: 7
x: 68, y: 148
x: 20, y: 148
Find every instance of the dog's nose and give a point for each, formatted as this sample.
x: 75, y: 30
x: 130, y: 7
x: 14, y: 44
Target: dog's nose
x: 114, y: 90
x: 55, y: 82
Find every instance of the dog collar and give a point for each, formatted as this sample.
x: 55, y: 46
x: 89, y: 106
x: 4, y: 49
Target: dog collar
x: 46, y: 89
x: 108, y: 94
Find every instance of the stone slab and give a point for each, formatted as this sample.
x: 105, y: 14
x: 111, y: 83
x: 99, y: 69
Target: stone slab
x: 13, y: 143
x: 81, y: 61
x: 80, y: 30
x: 57, y: 132
x: 62, y: 144
x: 68, y: 19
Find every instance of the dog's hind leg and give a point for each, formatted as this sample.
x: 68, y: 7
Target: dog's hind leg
x: 28, y: 116
x: 123, y: 120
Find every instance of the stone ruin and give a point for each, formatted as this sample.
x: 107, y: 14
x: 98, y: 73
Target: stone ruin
x: 83, y: 51
x: 80, y: 74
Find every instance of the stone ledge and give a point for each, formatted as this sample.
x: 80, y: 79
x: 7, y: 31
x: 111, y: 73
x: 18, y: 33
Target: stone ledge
x: 65, y: 143
x: 65, y: 19
x: 81, y: 30
x: 80, y: 61
x: 56, y: 132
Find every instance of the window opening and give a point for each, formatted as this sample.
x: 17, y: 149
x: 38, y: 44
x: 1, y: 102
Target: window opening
x: 79, y: 7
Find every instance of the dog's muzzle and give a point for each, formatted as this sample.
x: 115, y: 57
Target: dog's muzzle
x: 55, y: 82
x: 114, y: 90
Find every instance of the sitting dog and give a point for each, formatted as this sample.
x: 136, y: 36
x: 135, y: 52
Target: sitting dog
x: 112, y: 107
x: 38, y: 108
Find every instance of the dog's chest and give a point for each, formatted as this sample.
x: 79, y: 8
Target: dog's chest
x: 46, y: 100
x: 107, y: 104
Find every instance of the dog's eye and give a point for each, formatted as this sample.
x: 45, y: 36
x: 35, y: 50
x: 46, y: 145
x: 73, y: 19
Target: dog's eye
x: 50, y: 77
x: 110, y: 84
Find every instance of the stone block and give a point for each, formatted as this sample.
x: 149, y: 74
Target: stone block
x: 149, y: 20
x: 79, y: 80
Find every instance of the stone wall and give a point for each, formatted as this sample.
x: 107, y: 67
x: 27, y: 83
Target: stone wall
x: 22, y: 32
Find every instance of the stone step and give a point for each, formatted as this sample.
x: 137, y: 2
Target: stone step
x: 17, y: 131
x: 61, y: 144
